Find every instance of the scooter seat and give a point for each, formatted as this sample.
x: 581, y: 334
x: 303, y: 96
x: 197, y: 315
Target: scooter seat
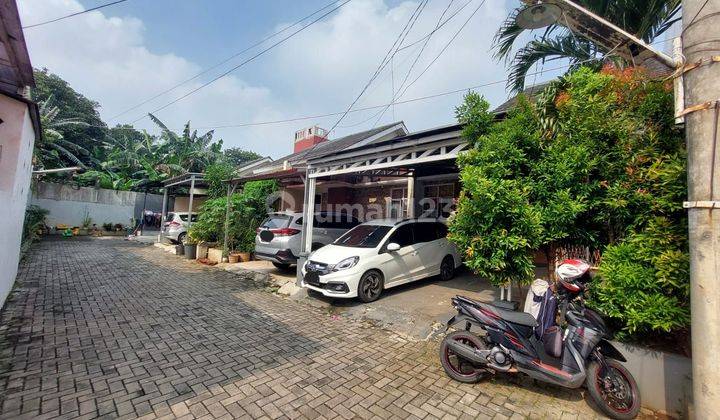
x: 516, y: 317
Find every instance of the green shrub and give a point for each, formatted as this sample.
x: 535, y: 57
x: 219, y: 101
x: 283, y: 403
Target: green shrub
x: 598, y: 161
x: 644, y: 280
x: 216, y: 176
x: 247, y: 211
x: 34, y: 221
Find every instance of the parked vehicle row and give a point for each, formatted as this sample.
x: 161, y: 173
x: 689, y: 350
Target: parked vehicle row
x: 378, y: 255
x: 279, y: 236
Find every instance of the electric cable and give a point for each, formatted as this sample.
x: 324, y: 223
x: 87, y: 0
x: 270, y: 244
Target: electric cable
x: 243, y: 63
x: 230, y: 58
x: 383, y: 63
x: 73, y: 14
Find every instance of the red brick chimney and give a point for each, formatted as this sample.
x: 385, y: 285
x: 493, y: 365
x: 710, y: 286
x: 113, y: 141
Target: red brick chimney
x: 309, y: 137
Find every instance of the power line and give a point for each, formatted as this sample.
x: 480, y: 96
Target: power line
x: 417, y: 57
x: 73, y: 14
x: 397, y: 44
x: 447, y: 45
x: 223, y: 61
x: 416, y: 42
x: 367, y: 108
x: 244, y: 62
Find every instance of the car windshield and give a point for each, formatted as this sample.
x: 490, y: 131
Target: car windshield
x: 363, y: 236
x: 276, y: 221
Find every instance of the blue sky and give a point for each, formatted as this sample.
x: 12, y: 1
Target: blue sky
x: 124, y: 54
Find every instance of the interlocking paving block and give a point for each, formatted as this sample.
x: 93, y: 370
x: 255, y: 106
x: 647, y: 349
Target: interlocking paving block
x: 111, y: 328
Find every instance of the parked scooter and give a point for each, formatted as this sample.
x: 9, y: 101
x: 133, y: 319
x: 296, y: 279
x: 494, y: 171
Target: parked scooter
x: 577, y: 355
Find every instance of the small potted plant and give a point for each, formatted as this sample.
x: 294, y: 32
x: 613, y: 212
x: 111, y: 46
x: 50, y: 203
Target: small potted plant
x: 190, y: 248
x: 86, y: 224
x: 245, y: 241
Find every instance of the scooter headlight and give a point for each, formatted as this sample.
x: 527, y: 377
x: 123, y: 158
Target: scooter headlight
x: 346, y: 263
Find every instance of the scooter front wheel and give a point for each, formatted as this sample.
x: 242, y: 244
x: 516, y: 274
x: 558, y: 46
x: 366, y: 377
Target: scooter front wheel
x: 456, y: 367
x: 613, y: 389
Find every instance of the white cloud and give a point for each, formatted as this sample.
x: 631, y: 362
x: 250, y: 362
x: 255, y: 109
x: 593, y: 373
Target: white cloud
x: 320, y: 70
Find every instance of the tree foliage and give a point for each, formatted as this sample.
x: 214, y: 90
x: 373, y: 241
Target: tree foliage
x: 120, y: 157
x: 238, y: 157
x: 87, y: 130
x: 647, y: 19
x: 247, y: 210
x: 599, y: 162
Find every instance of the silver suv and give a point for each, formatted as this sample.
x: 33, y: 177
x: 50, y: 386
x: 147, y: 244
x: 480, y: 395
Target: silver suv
x: 176, y: 224
x: 278, y: 237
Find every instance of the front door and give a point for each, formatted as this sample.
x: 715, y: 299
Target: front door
x: 402, y: 265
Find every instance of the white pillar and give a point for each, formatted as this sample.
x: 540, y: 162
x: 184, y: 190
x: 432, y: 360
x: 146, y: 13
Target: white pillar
x: 702, y: 89
x: 411, y: 196
x: 309, y: 218
x: 190, y: 201
x: 163, y: 213
x: 226, y: 251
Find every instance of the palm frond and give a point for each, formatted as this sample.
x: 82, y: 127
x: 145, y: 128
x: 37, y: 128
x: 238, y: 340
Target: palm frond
x: 68, y: 155
x: 566, y: 46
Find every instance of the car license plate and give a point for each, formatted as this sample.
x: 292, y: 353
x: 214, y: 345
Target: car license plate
x: 312, y: 278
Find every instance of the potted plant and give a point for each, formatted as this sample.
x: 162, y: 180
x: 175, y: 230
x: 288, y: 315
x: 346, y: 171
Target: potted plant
x: 190, y: 248
x: 86, y: 223
x: 108, y: 227
x: 244, y: 241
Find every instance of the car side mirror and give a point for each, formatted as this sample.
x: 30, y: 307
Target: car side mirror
x: 392, y: 247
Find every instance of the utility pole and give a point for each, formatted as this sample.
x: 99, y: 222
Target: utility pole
x: 701, y: 20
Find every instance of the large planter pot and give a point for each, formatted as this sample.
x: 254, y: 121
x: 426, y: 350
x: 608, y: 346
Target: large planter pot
x: 190, y: 251
x: 214, y: 254
x: 233, y: 258
x: 202, y: 250
x: 179, y: 249
x: 243, y: 256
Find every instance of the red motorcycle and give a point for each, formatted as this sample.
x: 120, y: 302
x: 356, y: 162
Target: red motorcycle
x: 509, y: 341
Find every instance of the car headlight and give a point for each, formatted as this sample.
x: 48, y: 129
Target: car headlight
x: 346, y: 263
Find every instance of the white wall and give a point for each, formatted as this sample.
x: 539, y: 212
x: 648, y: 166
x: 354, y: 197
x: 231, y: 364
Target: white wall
x: 182, y: 203
x: 17, y: 138
x: 68, y: 205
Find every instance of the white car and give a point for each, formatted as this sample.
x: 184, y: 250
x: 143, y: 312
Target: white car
x: 378, y: 255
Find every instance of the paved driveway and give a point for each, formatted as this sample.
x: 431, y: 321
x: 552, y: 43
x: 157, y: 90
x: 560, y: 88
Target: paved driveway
x: 104, y: 327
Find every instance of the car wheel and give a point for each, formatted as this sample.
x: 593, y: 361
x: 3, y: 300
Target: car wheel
x: 181, y: 237
x: 371, y: 286
x: 281, y: 266
x: 447, y: 268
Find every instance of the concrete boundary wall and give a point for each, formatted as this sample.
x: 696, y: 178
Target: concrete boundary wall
x: 69, y: 204
x: 664, y: 379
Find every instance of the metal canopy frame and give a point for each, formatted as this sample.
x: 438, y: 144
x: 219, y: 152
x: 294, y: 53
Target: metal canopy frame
x: 191, y: 179
x: 396, y: 157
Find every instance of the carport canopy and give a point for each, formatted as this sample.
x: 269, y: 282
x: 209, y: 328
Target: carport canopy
x: 189, y: 179
x: 425, y: 152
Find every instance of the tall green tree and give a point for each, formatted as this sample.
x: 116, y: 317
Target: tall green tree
x: 597, y: 162
x: 647, y: 19
x: 87, y: 130
x: 188, y: 150
x: 237, y: 156
x: 53, y: 149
